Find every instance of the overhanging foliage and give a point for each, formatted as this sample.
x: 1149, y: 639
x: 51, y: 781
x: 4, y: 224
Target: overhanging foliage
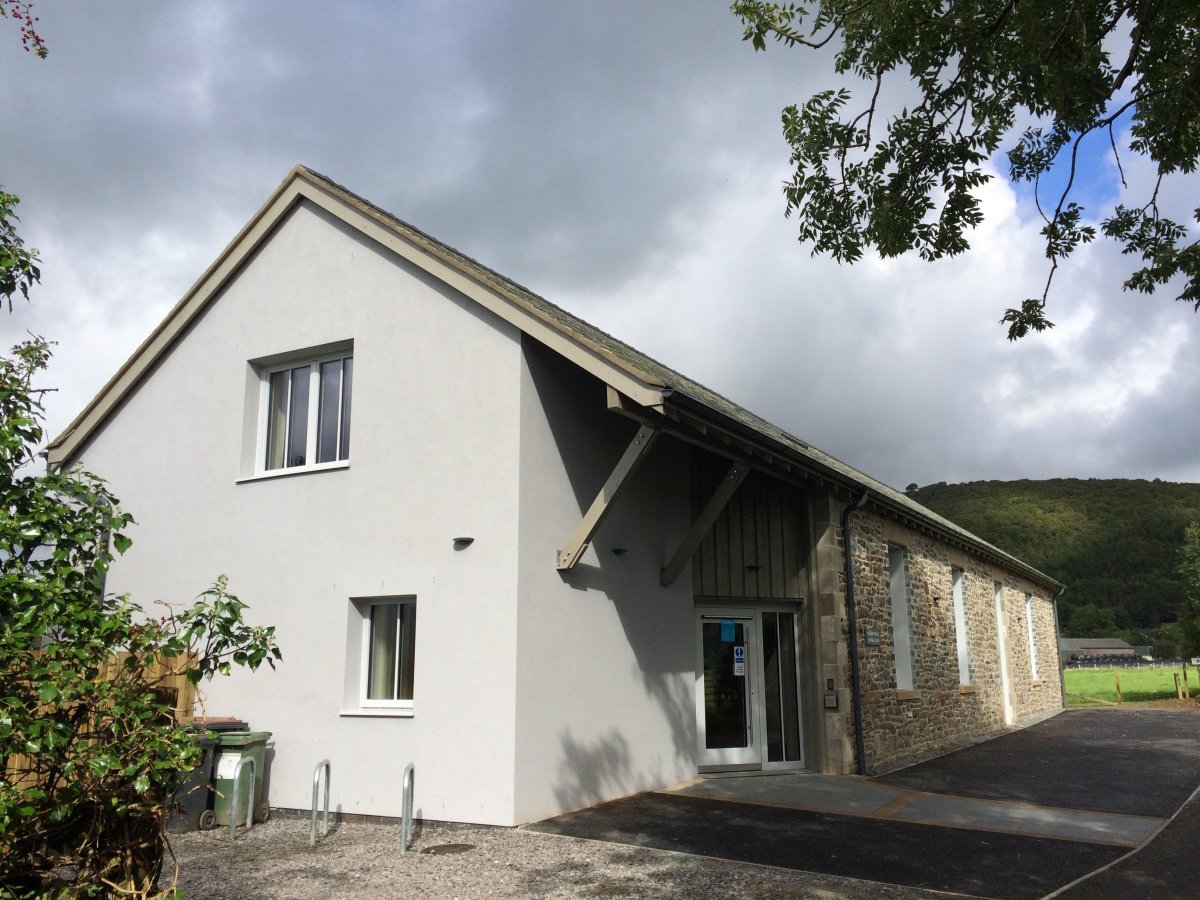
x: 91, y: 751
x: 1080, y: 69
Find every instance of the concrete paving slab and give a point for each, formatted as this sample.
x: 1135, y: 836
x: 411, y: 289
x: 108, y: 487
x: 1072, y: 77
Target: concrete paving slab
x: 844, y: 795
x: 802, y: 790
x: 977, y: 863
x: 1026, y: 818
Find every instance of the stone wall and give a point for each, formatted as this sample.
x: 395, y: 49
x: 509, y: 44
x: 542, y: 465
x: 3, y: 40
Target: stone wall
x: 836, y: 737
x: 939, y: 713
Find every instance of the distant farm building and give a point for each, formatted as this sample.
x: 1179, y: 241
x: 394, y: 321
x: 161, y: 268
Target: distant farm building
x: 1069, y: 647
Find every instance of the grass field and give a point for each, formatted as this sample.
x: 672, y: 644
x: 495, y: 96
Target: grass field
x: 1092, y: 687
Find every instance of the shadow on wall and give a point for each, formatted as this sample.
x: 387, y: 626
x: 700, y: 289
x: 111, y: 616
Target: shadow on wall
x: 652, y: 514
x: 676, y: 695
x: 665, y: 663
x: 592, y: 772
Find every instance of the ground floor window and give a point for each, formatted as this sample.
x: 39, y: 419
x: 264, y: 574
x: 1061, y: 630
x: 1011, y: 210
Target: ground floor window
x: 388, y: 651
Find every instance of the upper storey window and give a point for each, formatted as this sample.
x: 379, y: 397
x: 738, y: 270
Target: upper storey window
x: 308, y: 412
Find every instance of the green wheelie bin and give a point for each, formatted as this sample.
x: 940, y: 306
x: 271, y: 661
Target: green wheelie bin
x: 233, y: 746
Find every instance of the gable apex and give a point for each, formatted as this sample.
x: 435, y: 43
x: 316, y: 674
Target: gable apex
x: 586, y: 346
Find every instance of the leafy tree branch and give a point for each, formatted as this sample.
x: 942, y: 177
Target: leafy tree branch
x: 980, y: 66
x: 20, y: 268
x: 22, y: 12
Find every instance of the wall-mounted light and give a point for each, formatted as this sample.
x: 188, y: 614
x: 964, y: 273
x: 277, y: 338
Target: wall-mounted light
x: 620, y: 551
x: 462, y: 543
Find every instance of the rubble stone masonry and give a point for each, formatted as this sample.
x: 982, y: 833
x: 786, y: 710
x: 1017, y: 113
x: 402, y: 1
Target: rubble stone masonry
x: 939, y: 713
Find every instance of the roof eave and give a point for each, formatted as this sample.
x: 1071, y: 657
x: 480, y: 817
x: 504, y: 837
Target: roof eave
x: 801, y: 456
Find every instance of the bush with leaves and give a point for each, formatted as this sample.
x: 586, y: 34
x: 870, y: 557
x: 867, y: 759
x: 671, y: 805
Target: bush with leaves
x: 93, y: 754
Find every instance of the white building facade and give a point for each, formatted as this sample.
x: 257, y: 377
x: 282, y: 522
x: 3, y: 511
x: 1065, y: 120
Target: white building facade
x: 503, y: 546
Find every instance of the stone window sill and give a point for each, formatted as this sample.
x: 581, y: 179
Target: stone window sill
x: 1037, y: 682
x: 908, y: 695
x: 968, y: 689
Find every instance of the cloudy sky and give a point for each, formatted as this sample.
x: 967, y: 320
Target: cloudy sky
x: 624, y: 160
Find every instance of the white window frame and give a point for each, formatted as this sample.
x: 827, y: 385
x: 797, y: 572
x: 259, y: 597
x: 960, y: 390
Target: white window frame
x: 364, y: 607
x: 1033, y: 656
x: 901, y: 600
x: 958, y: 580
x: 314, y: 407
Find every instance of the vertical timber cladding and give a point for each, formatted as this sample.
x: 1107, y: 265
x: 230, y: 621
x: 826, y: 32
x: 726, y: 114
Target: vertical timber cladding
x: 756, y: 547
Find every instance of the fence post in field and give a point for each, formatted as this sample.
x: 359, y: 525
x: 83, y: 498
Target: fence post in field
x: 1187, y: 691
x: 1178, y: 689
x: 1117, y: 681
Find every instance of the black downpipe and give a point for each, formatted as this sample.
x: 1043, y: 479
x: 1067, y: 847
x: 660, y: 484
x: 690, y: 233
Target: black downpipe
x: 860, y: 751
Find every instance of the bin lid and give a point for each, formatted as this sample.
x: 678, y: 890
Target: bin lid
x: 220, y: 723
x: 241, y: 738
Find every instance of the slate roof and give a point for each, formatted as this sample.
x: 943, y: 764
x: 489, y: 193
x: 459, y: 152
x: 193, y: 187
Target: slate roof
x: 680, y: 391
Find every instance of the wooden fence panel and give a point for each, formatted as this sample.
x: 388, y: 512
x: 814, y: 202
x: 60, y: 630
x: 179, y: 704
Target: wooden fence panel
x: 166, y: 676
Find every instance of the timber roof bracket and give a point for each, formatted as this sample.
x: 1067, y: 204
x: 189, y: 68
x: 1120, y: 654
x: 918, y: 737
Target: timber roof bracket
x: 633, y: 456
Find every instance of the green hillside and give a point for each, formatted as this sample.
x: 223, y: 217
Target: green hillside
x: 1114, y: 543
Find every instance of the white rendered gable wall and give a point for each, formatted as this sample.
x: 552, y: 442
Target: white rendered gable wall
x: 434, y: 455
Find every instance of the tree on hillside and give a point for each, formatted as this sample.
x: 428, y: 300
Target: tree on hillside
x: 1189, y: 568
x: 1114, y: 543
x: 1089, y: 621
x: 1047, y: 76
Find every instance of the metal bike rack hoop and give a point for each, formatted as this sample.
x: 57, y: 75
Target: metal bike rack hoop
x: 406, y: 823
x: 322, y: 766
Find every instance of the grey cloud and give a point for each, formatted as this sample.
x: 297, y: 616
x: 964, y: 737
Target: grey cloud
x: 621, y: 158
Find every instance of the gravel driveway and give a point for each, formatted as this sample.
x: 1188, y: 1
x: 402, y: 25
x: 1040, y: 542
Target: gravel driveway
x: 364, y: 861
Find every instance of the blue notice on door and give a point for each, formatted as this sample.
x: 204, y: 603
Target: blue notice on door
x: 728, y: 633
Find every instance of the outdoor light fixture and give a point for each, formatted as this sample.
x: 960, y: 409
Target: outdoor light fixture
x: 461, y: 543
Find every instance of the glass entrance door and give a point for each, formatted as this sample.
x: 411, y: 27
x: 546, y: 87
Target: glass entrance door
x: 724, y: 702
x: 747, y: 694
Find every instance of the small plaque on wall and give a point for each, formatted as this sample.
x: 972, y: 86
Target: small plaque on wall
x: 872, y: 637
